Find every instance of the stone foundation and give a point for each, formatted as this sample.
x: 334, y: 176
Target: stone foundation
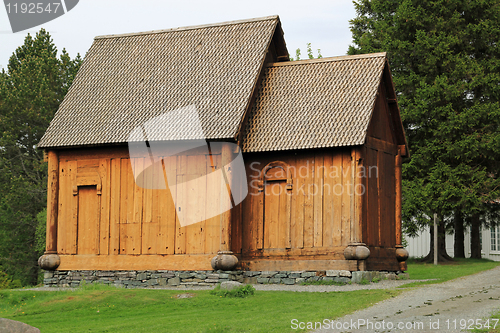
x: 159, y: 279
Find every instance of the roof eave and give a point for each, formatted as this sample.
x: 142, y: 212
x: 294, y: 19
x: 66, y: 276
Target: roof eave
x: 277, y: 33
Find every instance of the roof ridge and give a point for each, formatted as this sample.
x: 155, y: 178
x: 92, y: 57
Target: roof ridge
x: 328, y: 59
x: 193, y: 27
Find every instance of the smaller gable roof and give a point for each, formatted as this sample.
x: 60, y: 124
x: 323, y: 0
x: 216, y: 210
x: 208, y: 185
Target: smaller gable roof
x: 316, y: 103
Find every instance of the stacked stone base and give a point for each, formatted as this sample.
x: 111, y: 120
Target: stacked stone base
x: 160, y: 279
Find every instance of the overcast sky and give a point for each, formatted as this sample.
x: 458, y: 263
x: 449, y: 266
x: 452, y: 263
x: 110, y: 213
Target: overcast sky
x: 324, y: 23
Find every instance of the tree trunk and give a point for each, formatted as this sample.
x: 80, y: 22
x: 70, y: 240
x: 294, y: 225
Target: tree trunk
x: 475, y: 241
x: 459, y: 246
x: 442, y: 241
x: 442, y: 255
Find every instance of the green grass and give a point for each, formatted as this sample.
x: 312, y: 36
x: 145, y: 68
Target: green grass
x: 241, y: 291
x: 364, y: 282
x: 98, y: 308
x: 108, y: 309
x: 497, y: 328
x: 445, y: 272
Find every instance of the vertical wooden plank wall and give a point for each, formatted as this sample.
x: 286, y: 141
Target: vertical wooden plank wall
x: 114, y: 208
x: 104, y: 232
x: 67, y: 224
x: 381, y: 196
x: 381, y: 151
x: 339, y: 196
x: 120, y: 217
x: 88, y: 220
x: 320, y: 204
x: 318, y: 217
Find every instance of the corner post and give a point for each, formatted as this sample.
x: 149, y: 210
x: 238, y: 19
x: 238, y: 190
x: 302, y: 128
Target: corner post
x: 356, y: 249
x: 399, y: 239
x: 401, y: 253
x: 50, y: 260
x: 52, y: 202
x: 225, y: 259
x: 359, y: 195
x: 225, y: 217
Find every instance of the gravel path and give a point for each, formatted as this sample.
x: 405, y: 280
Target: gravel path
x: 445, y: 306
x: 384, y: 284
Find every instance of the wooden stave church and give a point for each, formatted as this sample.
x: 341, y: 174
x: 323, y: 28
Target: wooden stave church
x: 126, y: 227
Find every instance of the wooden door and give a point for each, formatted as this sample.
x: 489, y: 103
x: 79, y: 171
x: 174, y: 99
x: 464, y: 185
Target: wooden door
x: 88, y: 220
x: 276, y: 210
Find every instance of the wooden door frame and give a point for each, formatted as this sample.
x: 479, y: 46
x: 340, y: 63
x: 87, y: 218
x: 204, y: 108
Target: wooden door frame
x: 87, y: 178
x: 288, y: 193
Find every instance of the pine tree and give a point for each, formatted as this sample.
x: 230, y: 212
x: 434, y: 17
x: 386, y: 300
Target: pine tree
x: 445, y: 60
x: 31, y: 90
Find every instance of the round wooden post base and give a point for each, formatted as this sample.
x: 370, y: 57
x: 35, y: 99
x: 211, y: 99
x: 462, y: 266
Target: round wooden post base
x: 356, y: 251
x: 224, y: 260
x: 49, y: 262
x: 402, y: 255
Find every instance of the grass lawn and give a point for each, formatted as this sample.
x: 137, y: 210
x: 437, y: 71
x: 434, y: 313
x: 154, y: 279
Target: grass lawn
x: 447, y: 271
x: 98, y: 308
x: 108, y: 309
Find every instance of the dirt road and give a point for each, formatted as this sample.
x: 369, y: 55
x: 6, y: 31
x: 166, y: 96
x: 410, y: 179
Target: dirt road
x: 453, y: 306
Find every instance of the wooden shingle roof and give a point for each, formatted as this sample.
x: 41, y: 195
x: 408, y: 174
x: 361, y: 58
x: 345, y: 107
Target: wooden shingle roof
x: 314, y: 103
x: 127, y: 80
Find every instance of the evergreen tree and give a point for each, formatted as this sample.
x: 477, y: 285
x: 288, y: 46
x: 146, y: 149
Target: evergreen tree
x: 31, y: 90
x: 445, y: 60
x: 310, y: 54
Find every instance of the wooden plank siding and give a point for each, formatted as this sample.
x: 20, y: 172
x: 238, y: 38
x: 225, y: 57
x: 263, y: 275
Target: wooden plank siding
x: 308, y: 214
x: 381, y: 150
x: 312, y: 212
x: 110, y: 211
x: 116, y: 216
x: 320, y: 205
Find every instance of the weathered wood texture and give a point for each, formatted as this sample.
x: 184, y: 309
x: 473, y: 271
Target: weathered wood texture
x: 130, y: 262
x: 399, y: 198
x: 337, y: 196
x: 52, y: 202
x: 381, y: 152
x: 301, y: 205
x: 102, y: 209
x: 298, y: 204
x: 382, y: 259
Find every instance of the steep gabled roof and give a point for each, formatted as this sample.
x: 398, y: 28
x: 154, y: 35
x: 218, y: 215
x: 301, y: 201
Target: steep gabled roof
x: 127, y: 80
x: 315, y: 103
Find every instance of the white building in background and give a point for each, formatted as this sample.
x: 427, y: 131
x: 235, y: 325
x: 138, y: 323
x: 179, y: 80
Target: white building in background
x: 490, y: 243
